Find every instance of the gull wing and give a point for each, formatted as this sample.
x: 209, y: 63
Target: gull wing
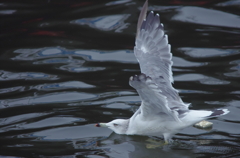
x: 153, y: 102
x: 141, y: 17
x: 155, y: 59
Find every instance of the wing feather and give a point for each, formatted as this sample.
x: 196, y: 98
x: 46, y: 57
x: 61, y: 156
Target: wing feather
x: 155, y: 59
x: 142, y: 16
x: 152, y: 101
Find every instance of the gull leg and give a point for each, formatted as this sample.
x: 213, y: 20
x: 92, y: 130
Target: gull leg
x: 167, y: 138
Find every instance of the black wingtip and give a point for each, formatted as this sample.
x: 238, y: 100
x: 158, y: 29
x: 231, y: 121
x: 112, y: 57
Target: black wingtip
x: 218, y: 112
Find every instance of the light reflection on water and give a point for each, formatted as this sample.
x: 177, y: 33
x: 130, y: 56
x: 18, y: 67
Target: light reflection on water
x: 89, y: 55
x: 66, y: 65
x: 57, y: 97
x: 208, y: 52
x: 105, y: 23
x: 5, y: 75
x: 210, y: 17
x: 63, y: 85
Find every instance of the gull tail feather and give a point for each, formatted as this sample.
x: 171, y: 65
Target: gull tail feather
x: 195, y: 116
x: 218, y: 112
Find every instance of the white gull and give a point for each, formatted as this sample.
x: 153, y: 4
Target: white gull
x: 162, y: 111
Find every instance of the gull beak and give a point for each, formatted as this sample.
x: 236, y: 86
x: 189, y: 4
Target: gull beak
x: 101, y: 125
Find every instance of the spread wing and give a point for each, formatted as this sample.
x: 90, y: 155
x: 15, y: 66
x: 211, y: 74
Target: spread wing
x: 153, y: 102
x: 153, y: 54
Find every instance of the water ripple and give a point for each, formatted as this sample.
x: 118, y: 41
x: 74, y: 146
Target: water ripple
x: 5, y: 75
x: 51, y: 122
x: 230, y: 3
x: 65, y: 66
x: 105, y: 23
x: 123, y: 56
x: 179, y: 62
x: 11, y: 89
x: 20, y: 118
x: 58, y: 97
x: 205, y: 16
x: 62, y: 86
x: 201, y: 78
x: 77, y: 132
x: 208, y: 52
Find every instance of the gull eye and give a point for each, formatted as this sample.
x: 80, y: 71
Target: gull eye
x: 115, y: 125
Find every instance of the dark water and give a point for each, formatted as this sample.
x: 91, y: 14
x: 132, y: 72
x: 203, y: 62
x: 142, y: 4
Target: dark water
x: 65, y: 65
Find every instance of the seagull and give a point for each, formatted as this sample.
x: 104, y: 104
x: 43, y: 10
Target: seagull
x: 162, y: 112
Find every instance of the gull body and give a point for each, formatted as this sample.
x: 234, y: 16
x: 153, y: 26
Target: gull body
x: 162, y: 111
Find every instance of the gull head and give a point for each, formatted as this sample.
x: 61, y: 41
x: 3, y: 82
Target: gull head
x: 119, y: 126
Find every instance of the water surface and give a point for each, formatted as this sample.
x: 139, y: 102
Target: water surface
x: 65, y: 65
